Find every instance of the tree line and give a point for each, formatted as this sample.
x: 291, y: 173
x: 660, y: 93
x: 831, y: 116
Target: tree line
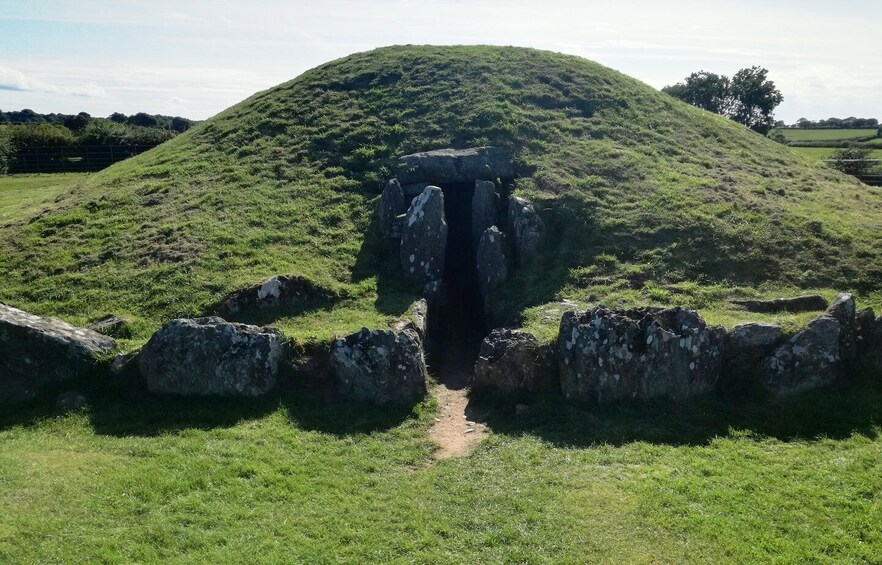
x: 834, y: 123
x: 32, y: 142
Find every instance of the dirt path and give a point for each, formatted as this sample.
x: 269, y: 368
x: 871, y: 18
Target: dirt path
x: 454, y: 432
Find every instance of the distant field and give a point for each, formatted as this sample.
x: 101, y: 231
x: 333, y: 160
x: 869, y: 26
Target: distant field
x: 826, y: 134
x: 21, y: 193
x: 827, y: 152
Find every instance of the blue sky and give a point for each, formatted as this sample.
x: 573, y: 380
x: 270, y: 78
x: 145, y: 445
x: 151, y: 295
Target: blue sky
x: 196, y: 57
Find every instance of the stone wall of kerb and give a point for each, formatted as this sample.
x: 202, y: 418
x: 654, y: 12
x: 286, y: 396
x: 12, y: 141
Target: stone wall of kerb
x: 606, y: 355
x: 600, y: 356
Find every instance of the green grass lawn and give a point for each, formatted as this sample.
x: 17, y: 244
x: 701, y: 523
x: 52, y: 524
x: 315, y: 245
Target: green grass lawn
x: 284, y: 480
x: 826, y: 134
x: 827, y: 152
x: 21, y: 195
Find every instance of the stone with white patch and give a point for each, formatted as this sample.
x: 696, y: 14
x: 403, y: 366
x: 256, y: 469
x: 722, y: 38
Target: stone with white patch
x: 380, y: 366
x: 424, y: 237
x: 210, y: 356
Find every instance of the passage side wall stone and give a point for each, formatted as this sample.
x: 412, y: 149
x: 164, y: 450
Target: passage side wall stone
x: 424, y: 237
x: 525, y: 228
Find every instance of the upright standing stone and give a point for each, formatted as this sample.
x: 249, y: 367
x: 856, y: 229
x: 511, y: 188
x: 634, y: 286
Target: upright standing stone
x: 484, y: 209
x: 844, y: 309
x: 37, y: 353
x: 491, y: 261
x: 390, y: 206
x: 424, y: 237
x: 525, y: 228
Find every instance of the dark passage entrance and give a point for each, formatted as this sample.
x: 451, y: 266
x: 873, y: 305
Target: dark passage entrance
x: 459, y: 326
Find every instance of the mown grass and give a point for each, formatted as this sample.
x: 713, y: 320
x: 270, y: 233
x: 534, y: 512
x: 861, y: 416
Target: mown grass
x: 287, y: 479
x: 21, y: 195
x: 826, y: 134
x: 827, y: 152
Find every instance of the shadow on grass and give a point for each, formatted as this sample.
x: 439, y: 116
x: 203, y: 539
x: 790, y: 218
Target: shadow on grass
x: 833, y: 413
x: 146, y: 415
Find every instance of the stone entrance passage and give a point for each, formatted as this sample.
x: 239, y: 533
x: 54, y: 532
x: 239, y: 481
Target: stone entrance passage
x: 459, y: 324
x: 446, y: 216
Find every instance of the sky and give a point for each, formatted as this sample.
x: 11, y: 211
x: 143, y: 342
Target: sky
x: 194, y: 58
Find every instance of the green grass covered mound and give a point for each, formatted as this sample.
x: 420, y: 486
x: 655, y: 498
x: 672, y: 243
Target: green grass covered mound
x: 646, y: 198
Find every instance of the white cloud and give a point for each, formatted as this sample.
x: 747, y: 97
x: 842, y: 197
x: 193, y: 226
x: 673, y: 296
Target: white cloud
x: 11, y: 79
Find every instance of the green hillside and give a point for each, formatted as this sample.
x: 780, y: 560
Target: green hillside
x: 646, y: 198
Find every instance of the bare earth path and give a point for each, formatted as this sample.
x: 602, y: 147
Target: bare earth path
x: 454, y: 432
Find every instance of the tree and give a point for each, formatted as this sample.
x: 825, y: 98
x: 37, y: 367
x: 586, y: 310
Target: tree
x: 77, y: 123
x: 180, y: 124
x: 6, y: 149
x: 749, y: 97
x: 142, y: 119
x: 118, y: 117
x: 755, y: 99
x: 709, y: 91
x: 853, y: 160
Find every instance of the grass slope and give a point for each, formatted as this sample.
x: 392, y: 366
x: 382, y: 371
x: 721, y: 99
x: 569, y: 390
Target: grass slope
x: 639, y: 191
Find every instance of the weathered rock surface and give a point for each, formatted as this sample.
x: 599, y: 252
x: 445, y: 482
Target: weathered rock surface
x: 809, y: 359
x: 445, y: 166
x: 844, y: 309
x: 492, y: 261
x: 112, y: 326
x: 210, y: 356
x: 525, y: 228
x: 391, y: 205
x: 485, y: 203
x: 418, y: 319
x: 291, y: 292
x: 868, y: 329
x: 37, y: 353
x: 71, y: 401
x: 413, y: 190
x: 809, y: 303
x: 746, y: 347
x: 607, y: 355
x: 424, y: 237
x: 380, y: 366
x: 512, y: 361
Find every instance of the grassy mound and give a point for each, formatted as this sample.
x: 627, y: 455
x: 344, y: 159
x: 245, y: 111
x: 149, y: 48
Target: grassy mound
x: 647, y: 199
